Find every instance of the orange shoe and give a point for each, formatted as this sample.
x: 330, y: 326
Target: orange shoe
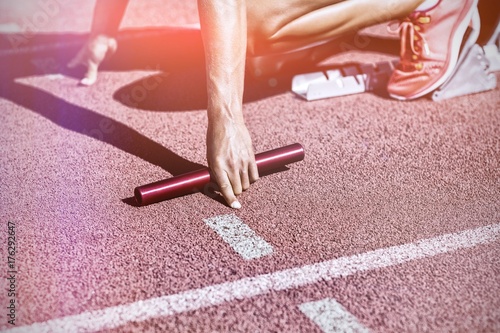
x: 430, y: 45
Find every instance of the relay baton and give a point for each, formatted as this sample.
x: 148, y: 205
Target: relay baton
x: 196, y: 181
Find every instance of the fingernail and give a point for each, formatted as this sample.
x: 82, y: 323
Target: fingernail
x: 236, y: 205
x: 87, y: 81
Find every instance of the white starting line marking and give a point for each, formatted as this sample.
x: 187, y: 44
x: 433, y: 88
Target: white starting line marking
x: 332, y: 317
x: 115, y: 316
x: 239, y: 236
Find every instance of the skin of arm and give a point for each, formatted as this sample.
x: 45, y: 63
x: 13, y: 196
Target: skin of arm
x: 108, y: 15
x: 230, y: 154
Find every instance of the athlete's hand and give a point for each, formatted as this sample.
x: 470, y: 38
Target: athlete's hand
x: 91, y: 55
x: 231, y: 158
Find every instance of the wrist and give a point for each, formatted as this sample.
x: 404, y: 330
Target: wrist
x: 100, y: 37
x: 224, y: 116
x: 225, y: 110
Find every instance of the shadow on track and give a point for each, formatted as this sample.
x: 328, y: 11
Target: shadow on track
x: 174, y: 51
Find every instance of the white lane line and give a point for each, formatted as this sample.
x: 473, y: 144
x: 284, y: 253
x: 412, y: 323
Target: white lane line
x: 332, y: 317
x: 115, y: 316
x: 239, y: 236
x: 10, y: 27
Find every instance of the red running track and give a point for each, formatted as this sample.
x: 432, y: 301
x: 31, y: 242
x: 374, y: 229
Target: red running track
x: 390, y: 224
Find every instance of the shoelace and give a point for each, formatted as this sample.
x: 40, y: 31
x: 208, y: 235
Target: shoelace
x: 413, y: 41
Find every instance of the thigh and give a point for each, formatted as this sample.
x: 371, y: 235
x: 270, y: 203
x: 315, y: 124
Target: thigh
x: 265, y: 18
x: 287, y: 25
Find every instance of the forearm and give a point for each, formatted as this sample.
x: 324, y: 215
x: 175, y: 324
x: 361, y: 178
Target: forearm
x: 107, y: 17
x: 223, y: 26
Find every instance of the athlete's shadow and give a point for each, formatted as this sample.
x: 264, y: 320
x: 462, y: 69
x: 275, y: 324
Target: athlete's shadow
x: 177, y: 53
x: 181, y: 84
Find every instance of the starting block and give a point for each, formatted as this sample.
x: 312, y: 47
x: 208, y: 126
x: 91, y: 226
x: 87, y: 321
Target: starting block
x: 351, y: 79
x: 473, y: 73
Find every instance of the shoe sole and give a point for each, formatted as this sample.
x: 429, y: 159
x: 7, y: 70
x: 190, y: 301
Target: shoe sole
x: 455, y: 45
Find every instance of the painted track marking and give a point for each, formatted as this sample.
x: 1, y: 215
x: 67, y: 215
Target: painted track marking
x: 239, y: 236
x: 332, y: 317
x: 191, y: 300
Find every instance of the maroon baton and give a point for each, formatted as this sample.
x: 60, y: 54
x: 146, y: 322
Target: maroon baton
x: 195, y: 181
